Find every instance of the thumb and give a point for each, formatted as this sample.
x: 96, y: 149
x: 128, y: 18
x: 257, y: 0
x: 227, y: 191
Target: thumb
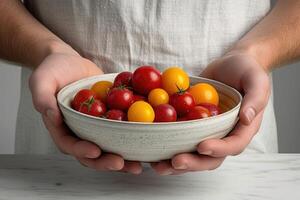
x: 43, y: 90
x: 208, y: 72
x: 256, y: 86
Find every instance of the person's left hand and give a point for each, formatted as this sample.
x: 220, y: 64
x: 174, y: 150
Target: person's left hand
x: 242, y: 72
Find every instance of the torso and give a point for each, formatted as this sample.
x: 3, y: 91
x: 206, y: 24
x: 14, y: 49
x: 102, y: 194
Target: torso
x: 121, y: 35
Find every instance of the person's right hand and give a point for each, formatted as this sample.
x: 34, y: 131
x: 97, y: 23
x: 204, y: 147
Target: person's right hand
x: 56, y: 71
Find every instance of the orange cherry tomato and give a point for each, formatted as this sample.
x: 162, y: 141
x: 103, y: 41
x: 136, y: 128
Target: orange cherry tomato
x: 140, y: 111
x: 157, y: 97
x: 204, y: 93
x: 173, y: 79
x: 101, y: 89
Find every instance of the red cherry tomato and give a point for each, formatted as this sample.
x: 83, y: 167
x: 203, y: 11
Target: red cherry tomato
x: 182, y: 102
x: 180, y: 119
x: 119, y: 98
x: 145, y: 79
x: 165, y: 113
x: 93, y: 107
x: 137, y: 97
x: 213, y: 109
x: 198, y: 112
x: 116, y: 115
x: 123, y: 79
x: 81, y: 97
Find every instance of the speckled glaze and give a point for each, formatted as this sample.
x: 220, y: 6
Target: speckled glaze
x: 149, y: 142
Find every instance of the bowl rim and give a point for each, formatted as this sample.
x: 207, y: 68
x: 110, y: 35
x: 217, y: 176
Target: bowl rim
x: 61, y: 104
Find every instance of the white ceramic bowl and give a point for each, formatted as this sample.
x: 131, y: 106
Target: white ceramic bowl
x: 149, y: 141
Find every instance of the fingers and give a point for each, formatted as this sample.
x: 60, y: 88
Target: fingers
x: 111, y: 162
x: 186, y: 162
x: 132, y: 167
x: 164, y: 168
x: 195, y: 162
x: 245, y: 74
x: 256, y: 87
x: 207, y: 73
x: 105, y: 163
x: 234, y: 143
x: 214, y: 150
x: 88, y: 153
x: 43, y: 89
x: 68, y: 144
x: 51, y: 75
x: 86, y: 149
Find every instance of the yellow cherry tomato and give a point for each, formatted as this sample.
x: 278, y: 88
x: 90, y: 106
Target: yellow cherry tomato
x: 158, y: 96
x: 140, y: 111
x: 204, y: 93
x: 174, y: 78
x: 101, y: 89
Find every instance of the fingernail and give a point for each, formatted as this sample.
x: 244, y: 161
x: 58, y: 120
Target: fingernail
x: 206, y: 152
x: 93, y: 154
x: 250, y: 114
x: 182, y: 166
x: 51, y: 115
x: 137, y: 172
x: 166, y: 173
x: 112, y: 168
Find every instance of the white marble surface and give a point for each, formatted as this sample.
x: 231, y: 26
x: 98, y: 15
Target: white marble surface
x: 271, y: 176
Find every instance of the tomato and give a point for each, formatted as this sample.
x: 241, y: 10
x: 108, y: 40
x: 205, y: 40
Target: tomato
x: 204, y: 93
x: 145, y: 79
x: 182, y: 102
x: 123, y: 79
x: 158, y: 96
x: 165, y: 113
x: 213, y: 109
x: 116, y: 115
x: 140, y: 111
x: 173, y: 79
x: 180, y: 119
x: 137, y: 97
x: 101, y: 88
x: 82, y: 96
x: 198, y: 112
x: 93, y: 107
x: 119, y: 98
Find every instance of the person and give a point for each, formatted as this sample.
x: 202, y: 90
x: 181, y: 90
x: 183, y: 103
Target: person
x: 235, y: 42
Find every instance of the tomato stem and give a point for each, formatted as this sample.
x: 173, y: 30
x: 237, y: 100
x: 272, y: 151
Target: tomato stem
x: 88, y: 103
x: 180, y: 90
x: 124, y: 87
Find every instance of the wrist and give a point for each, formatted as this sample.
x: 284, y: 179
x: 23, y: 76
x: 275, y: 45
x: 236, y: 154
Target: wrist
x: 52, y: 46
x: 58, y: 46
x: 260, y: 52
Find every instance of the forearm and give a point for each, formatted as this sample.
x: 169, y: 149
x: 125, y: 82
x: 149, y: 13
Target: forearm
x: 22, y: 38
x: 276, y: 39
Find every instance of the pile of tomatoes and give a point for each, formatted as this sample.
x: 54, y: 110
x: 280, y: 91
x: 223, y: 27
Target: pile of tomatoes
x: 147, y: 95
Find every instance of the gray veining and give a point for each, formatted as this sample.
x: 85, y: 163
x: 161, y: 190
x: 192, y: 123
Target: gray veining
x: 263, y: 176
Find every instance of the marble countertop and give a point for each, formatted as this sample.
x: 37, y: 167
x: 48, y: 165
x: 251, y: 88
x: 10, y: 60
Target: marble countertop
x: 263, y: 176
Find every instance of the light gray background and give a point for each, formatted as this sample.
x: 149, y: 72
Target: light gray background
x: 286, y: 95
x: 9, y: 100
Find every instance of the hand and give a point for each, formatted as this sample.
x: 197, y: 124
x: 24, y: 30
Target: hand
x: 56, y: 71
x: 242, y: 72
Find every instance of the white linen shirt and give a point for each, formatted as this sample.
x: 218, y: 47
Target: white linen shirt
x: 123, y: 34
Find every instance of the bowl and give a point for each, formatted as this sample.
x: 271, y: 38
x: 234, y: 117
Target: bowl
x: 149, y: 142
